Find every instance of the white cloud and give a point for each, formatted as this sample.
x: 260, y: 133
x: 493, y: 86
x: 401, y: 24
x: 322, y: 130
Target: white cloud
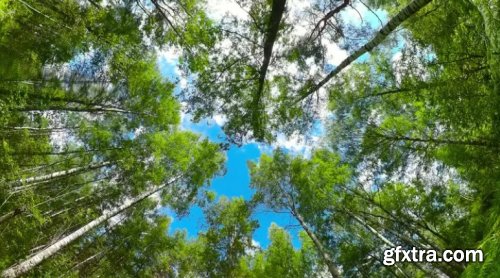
x: 358, y: 14
x: 255, y: 246
x: 170, y: 55
x: 183, y: 83
x: 297, y: 144
x: 255, y: 243
x: 220, y: 120
x: 217, y: 9
x: 334, y: 54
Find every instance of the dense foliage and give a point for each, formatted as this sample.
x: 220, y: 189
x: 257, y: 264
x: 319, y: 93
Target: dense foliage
x: 91, y: 143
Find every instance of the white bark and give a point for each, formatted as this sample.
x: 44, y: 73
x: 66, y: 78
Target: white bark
x: 34, y: 260
x: 80, y: 264
x: 412, y: 8
x: 392, y: 244
x: 319, y: 246
x: 27, y: 182
x: 37, y: 129
x: 372, y: 230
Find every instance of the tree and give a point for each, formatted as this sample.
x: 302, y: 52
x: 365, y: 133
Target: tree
x: 227, y: 238
x: 283, y: 184
x: 47, y: 252
x: 87, y: 122
x: 359, y: 219
x: 239, y: 73
x: 204, y: 159
x: 433, y: 108
x: 91, y: 144
x: 281, y: 259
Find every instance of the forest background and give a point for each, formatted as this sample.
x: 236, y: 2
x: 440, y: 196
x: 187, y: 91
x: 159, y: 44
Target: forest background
x: 247, y: 138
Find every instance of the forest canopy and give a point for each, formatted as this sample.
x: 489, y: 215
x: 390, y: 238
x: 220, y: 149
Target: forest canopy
x: 398, y: 103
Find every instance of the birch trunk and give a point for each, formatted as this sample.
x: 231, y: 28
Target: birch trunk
x: 392, y: 245
x: 77, y: 151
x: 402, y: 16
x: 319, y: 246
x: 475, y: 143
x: 28, y: 182
x: 91, y: 109
x: 34, y: 260
x: 93, y: 257
x: 371, y: 229
x: 36, y: 129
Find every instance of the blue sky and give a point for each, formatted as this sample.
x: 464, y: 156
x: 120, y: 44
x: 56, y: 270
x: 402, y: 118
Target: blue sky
x: 235, y: 183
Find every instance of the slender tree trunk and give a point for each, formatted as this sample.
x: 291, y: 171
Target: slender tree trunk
x: 91, y: 258
x: 449, y: 270
x: 28, y: 182
x: 392, y: 244
x: 371, y: 229
x: 35, y: 130
x: 388, y: 92
x: 75, y: 100
x: 440, y: 141
x: 411, y: 224
x: 416, y: 89
x: 65, y: 152
x: 29, y: 263
x: 62, y: 81
x: 278, y: 8
x: 40, y: 13
x: 319, y: 246
x: 442, y: 270
x: 92, y: 109
x: 412, y: 8
x: 10, y: 215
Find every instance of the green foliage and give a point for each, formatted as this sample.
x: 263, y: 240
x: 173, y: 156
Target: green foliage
x: 228, y: 235
x: 281, y: 259
x: 87, y: 122
x: 429, y: 118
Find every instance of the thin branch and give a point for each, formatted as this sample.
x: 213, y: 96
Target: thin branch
x: 325, y: 19
x: 373, y: 12
x: 39, y: 12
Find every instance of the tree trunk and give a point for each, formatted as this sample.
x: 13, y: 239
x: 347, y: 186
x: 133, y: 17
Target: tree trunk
x: 28, y: 182
x: 32, y: 261
x: 371, y: 229
x: 319, y: 246
x: 278, y: 8
x: 403, y: 15
x: 37, y: 129
x: 434, y: 141
x: 82, y: 263
x: 91, y: 109
x: 75, y: 100
x: 77, y: 151
x: 10, y: 215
